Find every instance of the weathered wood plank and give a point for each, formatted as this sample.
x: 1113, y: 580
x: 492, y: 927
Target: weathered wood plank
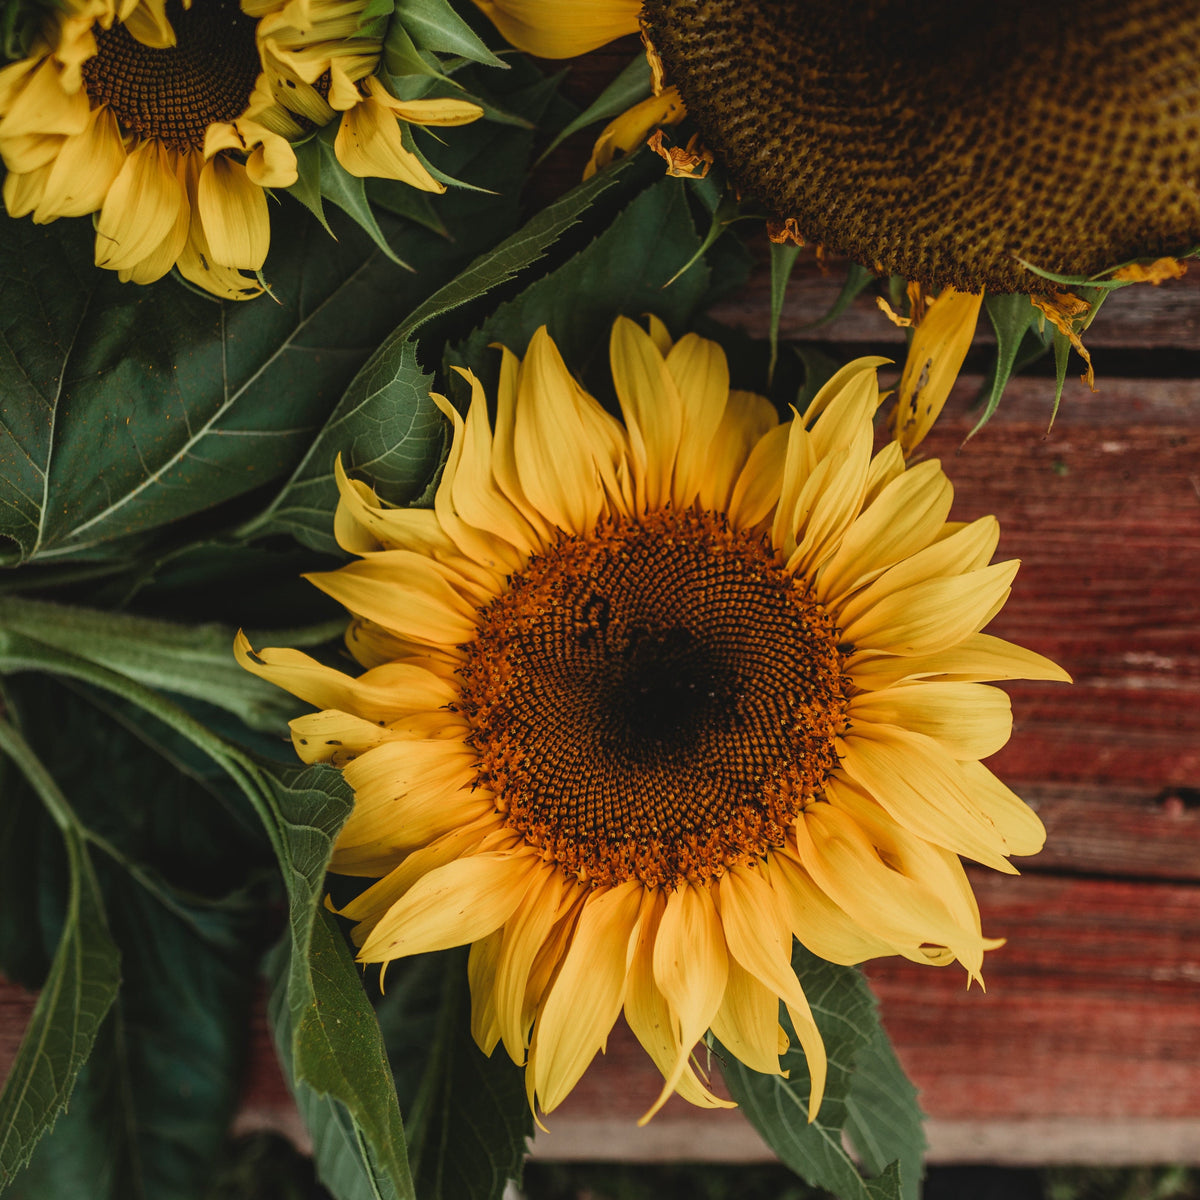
x: 1141, y: 317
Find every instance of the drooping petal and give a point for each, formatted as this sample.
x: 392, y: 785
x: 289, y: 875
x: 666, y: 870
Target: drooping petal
x: 233, y: 210
x: 691, y: 969
x: 758, y: 936
x: 453, y: 905
x: 939, y: 345
x: 141, y: 208
x: 587, y: 995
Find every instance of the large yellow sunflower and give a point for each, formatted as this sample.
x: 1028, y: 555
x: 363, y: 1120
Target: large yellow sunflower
x: 647, y: 697
x: 170, y: 120
x: 948, y: 143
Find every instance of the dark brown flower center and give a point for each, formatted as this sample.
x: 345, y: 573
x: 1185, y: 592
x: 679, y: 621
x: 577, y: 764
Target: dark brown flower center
x: 176, y: 93
x: 654, y: 701
x: 946, y: 141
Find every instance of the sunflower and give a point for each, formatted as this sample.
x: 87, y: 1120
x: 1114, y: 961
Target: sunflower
x: 171, y: 120
x: 948, y: 143
x: 647, y: 697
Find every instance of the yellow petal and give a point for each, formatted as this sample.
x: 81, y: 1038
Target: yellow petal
x: 756, y: 491
x: 881, y: 898
x: 552, y: 29
x: 970, y: 720
x: 976, y: 659
x: 934, y: 615
x: 481, y: 975
x: 565, y: 446
x: 747, y: 1023
x: 940, y: 343
x: 818, y: 923
x: 649, y: 1016
x: 754, y: 919
x: 587, y: 995
x: 652, y: 410
x: 41, y: 107
x: 369, y: 144
x: 453, y: 905
x: 424, y: 112
x: 523, y: 937
x: 141, y: 209
x: 920, y: 786
x: 233, y: 210
x: 691, y: 969
x: 904, y: 519
x: 84, y: 169
x: 404, y: 592
x: 746, y: 419
x: 1017, y: 823
x: 629, y: 131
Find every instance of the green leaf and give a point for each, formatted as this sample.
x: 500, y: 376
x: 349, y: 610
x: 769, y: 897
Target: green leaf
x: 469, y: 1119
x: 385, y: 425
x: 302, y: 810
x: 625, y: 270
x: 190, y: 660
x: 152, y: 1106
x: 1011, y: 315
x: 858, y: 279
x: 846, y: 1016
x: 633, y: 85
x: 434, y: 25
x: 340, y: 1049
x: 127, y: 407
x: 77, y: 993
x: 883, y: 1119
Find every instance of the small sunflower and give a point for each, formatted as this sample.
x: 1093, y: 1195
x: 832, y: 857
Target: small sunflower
x: 170, y: 121
x: 948, y: 143
x: 647, y: 697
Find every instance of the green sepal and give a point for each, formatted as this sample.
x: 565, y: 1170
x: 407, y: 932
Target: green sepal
x: 1101, y: 279
x: 1012, y: 317
x: 858, y: 279
x: 434, y: 25
x: 402, y: 58
x: 783, y: 259
x: 726, y: 212
x: 632, y: 86
x: 321, y: 177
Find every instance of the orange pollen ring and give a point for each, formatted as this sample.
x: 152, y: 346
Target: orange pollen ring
x: 655, y: 700
x: 174, y: 94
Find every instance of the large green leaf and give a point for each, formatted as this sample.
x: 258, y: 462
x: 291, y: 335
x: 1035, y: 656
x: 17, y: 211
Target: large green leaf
x: 153, y: 1104
x: 385, y: 424
x: 847, y: 1018
x: 76, y: 994
x: 345, y: 1053
x: 301, y: 809
x: 191, y: 660
x: 468, y: 1116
